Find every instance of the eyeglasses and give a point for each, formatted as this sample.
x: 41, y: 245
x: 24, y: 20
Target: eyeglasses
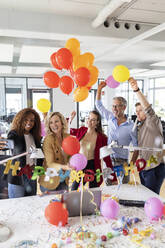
x: 117, y: 106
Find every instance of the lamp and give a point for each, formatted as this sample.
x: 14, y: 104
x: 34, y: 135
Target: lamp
x: 107, y: 11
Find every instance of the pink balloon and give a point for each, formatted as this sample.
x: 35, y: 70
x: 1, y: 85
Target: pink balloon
x: 109, y: 208
x: 111, y: 82
x: 153, y: 208
x: 78, y: 161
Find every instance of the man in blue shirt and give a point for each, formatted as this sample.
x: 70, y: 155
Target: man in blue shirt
x: 120, y: 128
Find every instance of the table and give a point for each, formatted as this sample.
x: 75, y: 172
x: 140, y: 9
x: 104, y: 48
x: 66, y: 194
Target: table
x: 25, y: 217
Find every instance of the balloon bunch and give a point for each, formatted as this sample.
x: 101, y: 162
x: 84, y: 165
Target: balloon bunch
x: 81, y: 68
x: 119, y: 75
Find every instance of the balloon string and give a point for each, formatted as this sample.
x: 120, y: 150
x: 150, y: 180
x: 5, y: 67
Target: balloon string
x: 81, y: 200
x: 92, y: 201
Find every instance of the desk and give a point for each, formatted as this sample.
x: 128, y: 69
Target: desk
x: 25, y: 217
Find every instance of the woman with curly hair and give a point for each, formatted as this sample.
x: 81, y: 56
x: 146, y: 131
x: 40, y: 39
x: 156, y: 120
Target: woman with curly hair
x: 56, y: 130
x: 25, y: 132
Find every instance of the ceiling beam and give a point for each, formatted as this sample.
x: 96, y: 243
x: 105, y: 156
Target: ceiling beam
x: 107, y: 11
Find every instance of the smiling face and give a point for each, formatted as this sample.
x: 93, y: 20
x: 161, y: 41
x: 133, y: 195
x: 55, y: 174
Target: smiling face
x: 118, y: 108
x: 28, y: 122
x: 92, y: 121
x: 140, y: 113
x: 56, y: 124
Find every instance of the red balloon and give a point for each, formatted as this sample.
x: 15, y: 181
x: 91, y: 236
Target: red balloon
x: 64, y: 58
x: 54, y: 62
x: 51, y: 79
x: 56, y: 214
x: 71, y: 145
x: 82, y: 76
x: 66, y: 84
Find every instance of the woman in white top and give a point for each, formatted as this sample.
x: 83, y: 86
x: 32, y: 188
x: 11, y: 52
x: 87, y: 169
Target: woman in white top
x: 25, y: 132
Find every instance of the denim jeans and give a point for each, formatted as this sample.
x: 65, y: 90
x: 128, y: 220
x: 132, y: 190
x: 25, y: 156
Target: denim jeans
x: 153, y: 178
x: 28, y: 189
x: 15, y: 191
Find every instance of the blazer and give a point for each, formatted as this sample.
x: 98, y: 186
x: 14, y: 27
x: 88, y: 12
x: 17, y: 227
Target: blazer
x: 54, y: 156
x: 100, y: 142
x: 20, y: 147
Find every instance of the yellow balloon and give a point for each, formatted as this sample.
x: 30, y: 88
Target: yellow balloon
x: 94, y: 72
x: 121, y: 73
x: 80, y: 94
x: 43, y: 105
x: 74, y: 46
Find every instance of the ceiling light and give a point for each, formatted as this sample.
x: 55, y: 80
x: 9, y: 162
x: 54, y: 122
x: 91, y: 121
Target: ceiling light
x: 117, y: 24
x: 106, y: 24
x: 137, y: 26
x: 107, y: 11
x: 127, y: 25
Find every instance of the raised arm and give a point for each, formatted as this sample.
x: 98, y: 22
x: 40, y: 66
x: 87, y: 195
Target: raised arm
x: 99, y: 90
x: 102, y: 110
x: 142, y: 99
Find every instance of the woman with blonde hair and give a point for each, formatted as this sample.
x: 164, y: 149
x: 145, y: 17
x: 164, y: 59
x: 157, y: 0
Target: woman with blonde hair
x: 56, y: 130
x: 25, y: 132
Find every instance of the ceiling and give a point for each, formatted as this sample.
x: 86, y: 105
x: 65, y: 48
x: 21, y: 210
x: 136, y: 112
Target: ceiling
x: 30, y: 31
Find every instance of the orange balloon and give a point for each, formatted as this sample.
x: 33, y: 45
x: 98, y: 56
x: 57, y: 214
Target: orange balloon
x: 64, y: 58
x: 66, y: 84
x: 56, y: 214
x: 94, y: 76
x: 54, y: 62
x: 84, y: 60
x: 74, y: 46
x: 82, y: 76
x: 51, y: 79
x: 80, y: 94
x: 71, y: 145
x: 88, y: 59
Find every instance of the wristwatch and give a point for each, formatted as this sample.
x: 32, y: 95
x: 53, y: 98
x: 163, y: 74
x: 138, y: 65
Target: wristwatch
x: 136, y: 90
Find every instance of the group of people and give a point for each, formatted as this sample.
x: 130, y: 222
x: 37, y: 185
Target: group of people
x: 26, y: 132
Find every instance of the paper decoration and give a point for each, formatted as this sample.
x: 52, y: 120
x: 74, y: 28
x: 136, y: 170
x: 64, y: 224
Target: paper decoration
x: 50, y: 172
x: 14, y: 167
x: 76, y: 176
x: 63, y: 175
x: 38, y: 171
x: 27, y: 170
x: 89, y: 176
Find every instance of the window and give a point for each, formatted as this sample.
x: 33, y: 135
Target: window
x: 156, y: 96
